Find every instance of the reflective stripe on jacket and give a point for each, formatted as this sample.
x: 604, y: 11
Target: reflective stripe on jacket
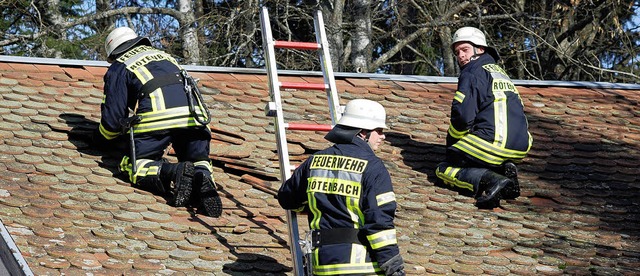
x: 487, y: 115
x: 164, y: 108
x: 346, y: 186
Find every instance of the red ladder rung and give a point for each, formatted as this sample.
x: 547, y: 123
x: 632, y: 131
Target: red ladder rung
x: 311, y: 127
x: 296, y: 45
x: 304, y: 85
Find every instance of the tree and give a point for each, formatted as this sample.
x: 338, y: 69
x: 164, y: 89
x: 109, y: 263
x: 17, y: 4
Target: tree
x: 538, y: 39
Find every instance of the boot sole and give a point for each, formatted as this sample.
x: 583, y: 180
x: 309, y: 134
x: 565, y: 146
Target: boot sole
x: 211, y: 204
x: 182, y: 192
x: 511, y: 191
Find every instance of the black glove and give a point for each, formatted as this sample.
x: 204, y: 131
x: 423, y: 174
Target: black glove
x: 98, y: 140
x: 394, y: 266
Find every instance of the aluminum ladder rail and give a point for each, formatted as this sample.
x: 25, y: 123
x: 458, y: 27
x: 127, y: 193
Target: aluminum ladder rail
x: 274, y: 109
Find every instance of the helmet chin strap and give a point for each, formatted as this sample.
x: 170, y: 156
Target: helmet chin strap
x: 475, y: 54
x: 366, y: 136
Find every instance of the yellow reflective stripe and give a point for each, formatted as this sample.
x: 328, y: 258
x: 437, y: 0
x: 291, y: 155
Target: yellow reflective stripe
x: 385, y: 198
x: 475, y: 152
x: 334, y: 186
x: 342, y: 269
x: 142, y: 55
x: 451, y: 171
x: 323, y: 173
x: 142, y: 169
x: 204, y: 164
x: 459, y: 96
x: 485, y: 151
x: 108, y: 134
x: 382, y: 238
x: 449, y: 178
x: 129, y: 57
x: 136, y: 60
x: 496, y: 71
x: 502, y: 85
x: 500, y: 118
x: 488, y: 147
x: 358, y: 254
x: 156, y: 100
x: 457, y: 133
x: 298, y: 210
x: 181, y: 122
x: 315, y: 258
x: 355, y: 212
x: 339, y: 163
x: 125, y: 166
x: 143, y: 74
x: 164, y: 114
x: 315, y: 222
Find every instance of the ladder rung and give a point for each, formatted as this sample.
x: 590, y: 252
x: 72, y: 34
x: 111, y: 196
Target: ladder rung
x: 312, y: 127
x: 304, y: 85
x: 296, y: 45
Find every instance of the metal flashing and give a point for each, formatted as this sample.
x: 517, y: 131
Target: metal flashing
x: 338, y: 75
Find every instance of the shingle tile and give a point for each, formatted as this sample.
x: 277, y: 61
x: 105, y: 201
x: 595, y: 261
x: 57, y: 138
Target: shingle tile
x: 569, y: 126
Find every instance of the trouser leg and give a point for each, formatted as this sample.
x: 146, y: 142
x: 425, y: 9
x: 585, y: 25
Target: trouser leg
x: 463, y: 178
x: 173, y: 181
x: 155, y: 175
x: 196, y: 149
x: 147, y: 176
x: 485, y: 184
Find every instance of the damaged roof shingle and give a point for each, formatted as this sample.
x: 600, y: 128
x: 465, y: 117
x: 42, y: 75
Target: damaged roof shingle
x: 69, y: 212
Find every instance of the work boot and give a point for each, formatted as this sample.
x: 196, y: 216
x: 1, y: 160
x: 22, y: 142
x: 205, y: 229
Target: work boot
x: 511, y: 191
x: 178, y: 178
x: 209, y: 200
x: 490, y: 187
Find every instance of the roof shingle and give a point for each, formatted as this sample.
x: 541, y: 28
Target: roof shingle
x: 69, y: 211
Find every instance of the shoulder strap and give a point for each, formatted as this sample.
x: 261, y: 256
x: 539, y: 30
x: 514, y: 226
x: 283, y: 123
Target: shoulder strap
x: 158, y: 82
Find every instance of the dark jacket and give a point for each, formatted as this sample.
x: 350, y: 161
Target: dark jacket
x: 160, y: 109
x: 346, y: 187
x: 488, y: 122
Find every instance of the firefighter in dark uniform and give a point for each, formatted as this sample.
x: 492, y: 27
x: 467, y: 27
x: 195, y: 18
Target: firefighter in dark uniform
x: 348, y: 195
x: 488, y: 130
x: 148, y: 84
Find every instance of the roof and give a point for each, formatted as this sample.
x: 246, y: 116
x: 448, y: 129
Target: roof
x: 68, y: 211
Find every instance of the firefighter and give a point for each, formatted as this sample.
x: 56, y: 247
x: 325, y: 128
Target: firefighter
x: 488, y: 129
x: 347, y: 192
x: 145, y: 83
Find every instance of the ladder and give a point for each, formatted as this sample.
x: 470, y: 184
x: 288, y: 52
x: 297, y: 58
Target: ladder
x: 274, y: 109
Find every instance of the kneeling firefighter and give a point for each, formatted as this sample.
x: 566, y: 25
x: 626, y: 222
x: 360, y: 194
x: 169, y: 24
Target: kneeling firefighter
x: 147, y: 94
x: 488, y: 131
x: 349, y: 196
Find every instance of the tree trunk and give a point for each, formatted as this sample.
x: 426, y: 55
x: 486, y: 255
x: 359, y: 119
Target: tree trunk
x: 332, y: 13
x: 190, y: 48
x: 361, y: 49
x: 448, y: 56
x: 51, y: 18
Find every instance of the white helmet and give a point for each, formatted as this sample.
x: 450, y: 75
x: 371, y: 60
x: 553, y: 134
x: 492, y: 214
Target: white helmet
x: 471, y: 35
x: 120, y: 36
x: 364, y: 114
x: 475, y: 37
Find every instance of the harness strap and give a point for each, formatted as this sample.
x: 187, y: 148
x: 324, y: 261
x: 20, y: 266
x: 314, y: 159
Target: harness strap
x: 159, y: 82
x: 336, y: 235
